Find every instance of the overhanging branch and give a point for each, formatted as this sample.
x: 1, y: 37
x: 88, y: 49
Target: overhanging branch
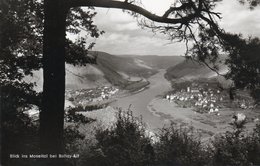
x: 137, y: 9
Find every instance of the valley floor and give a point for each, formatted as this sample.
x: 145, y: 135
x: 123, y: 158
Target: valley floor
x: 157, y: 112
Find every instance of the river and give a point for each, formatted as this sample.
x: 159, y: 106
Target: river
x: 139, y: 102
x: 157, y: 112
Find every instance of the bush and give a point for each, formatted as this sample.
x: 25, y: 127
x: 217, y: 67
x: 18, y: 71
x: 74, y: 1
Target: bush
x: 254, y: 146
x: 19, y: 134
x: 256, y: 95
x: 231, y: 150
x: 178, y: 145
x: 73, y: 136
x: 126, y: 143
x: 237, y: 148
x: 74, y: 117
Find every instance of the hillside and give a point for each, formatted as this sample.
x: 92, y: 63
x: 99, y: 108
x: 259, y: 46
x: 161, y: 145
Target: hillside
x: 122, y: 71
x: 126, y: 72
x: 125, y: 64
x: 83, y: 77
x: 77, y: 77
x: 189, y: 69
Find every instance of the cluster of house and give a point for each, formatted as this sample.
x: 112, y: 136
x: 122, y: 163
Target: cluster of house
x: 207, y: 97
x: 85, y: 96
x: 81, y: 97
x: 206, y: 100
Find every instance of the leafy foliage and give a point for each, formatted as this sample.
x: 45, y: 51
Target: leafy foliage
x: 20, y: 37
x: 253, y: 146
x: 241, y: 57
x: 252, y: 3
x: 210, y: 43
x: 21, y: 29
x: 243, y: 61
x: 237, y: 147
x: 231, y: 150
x: 178, y: 145
x: 79, y: 20
x: 126, y: 143
x: 18, y: 132
x: 72, y: 116
x: 20, y: 41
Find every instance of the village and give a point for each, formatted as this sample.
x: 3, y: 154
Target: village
x: 91, y: 98
x: 207, y: 98
x: 83, y: 99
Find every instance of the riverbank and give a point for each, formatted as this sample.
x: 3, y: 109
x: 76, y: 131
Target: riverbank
x: 208, y: 125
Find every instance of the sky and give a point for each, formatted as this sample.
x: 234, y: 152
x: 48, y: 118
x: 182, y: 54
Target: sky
x: 124, y: 36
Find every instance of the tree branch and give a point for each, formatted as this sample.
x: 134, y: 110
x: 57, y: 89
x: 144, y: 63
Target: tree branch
x: 125, y: 5
x: 172, y: 9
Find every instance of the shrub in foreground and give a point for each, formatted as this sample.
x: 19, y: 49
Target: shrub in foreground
x: 237, y: 148
x: 231, y: 150
x: 254, y: 146
x: 178, y: 146
x: 126, y: 143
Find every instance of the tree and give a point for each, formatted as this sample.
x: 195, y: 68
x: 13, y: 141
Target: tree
x: 21, y: 32
x: 241, y: 56
x: 243, y: 61
x: 18, y: 58
x: 178, y: 18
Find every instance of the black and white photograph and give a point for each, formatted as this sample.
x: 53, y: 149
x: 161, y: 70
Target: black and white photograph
x: 130, y: 82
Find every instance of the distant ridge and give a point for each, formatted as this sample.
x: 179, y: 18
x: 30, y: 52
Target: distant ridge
x: 116, y: 68
x: 162, y: 62
x: 122, y: 71
x: 190, y: 69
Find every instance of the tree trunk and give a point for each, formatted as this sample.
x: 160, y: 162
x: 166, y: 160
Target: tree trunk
x: 52, y: 112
